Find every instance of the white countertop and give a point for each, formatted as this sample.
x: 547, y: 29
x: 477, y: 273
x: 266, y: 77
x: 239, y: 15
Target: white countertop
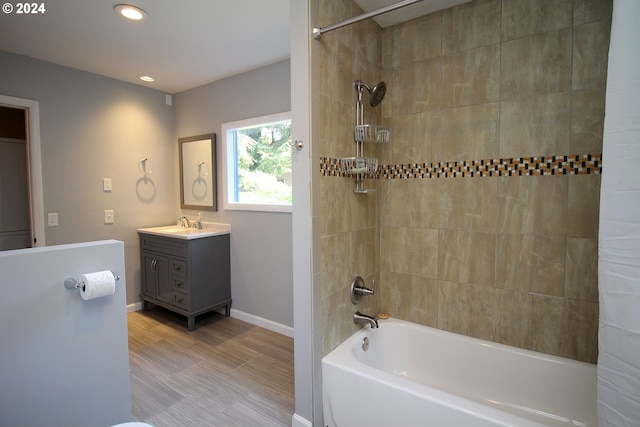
x: 177, y: 232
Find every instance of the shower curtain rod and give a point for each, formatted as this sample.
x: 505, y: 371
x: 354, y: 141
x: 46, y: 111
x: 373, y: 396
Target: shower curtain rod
x: 317, y: 31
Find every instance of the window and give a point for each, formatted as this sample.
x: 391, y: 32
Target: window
x: 258, y: 163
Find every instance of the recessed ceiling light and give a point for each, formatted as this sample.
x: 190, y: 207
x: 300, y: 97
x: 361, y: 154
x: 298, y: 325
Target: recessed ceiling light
x: 148, y: 79
x: 131, y: 12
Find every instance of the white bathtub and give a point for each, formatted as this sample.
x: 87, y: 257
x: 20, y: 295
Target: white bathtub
x: 413, y: 375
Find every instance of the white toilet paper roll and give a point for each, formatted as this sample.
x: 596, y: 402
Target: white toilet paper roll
x: 98, y: 284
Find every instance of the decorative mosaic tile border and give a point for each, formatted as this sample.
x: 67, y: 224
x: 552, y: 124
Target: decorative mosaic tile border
x: 581, y: 164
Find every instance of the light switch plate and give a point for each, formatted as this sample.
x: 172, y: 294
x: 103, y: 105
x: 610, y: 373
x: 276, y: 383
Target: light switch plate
x: 106, y: 184
x: 108, y: 216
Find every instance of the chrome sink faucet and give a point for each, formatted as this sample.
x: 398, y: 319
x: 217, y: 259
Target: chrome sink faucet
x: 184, y: 221
x: 361, y: 318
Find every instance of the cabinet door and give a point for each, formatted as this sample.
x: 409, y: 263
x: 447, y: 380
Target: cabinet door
x: 164, y: 281
x: 149, y: 281
x: 155, y: 282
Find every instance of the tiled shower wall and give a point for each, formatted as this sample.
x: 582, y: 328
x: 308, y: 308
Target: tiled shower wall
x: 487, y: 86
x: 349, y: 224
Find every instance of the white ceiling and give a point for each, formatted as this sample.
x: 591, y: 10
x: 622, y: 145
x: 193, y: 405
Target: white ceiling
x: 183, y: 44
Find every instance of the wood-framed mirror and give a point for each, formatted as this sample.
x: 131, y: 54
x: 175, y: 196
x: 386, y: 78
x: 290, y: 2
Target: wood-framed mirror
x: 198, y: 172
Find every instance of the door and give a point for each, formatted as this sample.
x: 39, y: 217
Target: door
x: 29, y: 122
x: 15, y: 215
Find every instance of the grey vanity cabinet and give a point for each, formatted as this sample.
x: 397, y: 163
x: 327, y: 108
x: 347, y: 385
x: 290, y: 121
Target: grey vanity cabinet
x: 189, y: 277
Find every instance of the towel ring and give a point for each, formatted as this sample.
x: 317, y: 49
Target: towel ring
x: 143, y: 166
x: 200, y: 167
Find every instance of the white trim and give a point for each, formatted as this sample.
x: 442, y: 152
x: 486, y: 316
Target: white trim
x: 298, y: 421
x: 35, y: 163
x: 226, y: 159
x: 262, y: 322
x: 306, y: 318
x: 136, y: 306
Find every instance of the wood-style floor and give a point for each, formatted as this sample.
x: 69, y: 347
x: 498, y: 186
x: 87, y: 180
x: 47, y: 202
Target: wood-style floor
x: 224, y: 373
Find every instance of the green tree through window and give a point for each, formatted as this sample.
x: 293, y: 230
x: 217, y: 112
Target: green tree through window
x: 259, y: 163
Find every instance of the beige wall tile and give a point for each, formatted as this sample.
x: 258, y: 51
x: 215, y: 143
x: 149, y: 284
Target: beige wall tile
x: 411, y: 251
x: 590, y: 55
x: 583, y: 212
x: 587, y: 121
x: 415, y: 137
x: 533, y: 205
x: 513, y: 309
x: 417, y: 87
x: 417, y: 40
x: 467, y: 309
x: 336, y: 68
x: 342, y: 210
x: 367, y: 44
x: 585, y: 11
x: 535, y: 126
x: 336, y: 319
x: 410, y: 298
x: 335, y: 136
x: 365, y: 247
x: 580, y: 325
x: 471, y: 77
x: 469, y: 133
x: 581, y: 278
x: 467, y: 257
x: 471, y: 25
x: 530, y: 321
x: 410, y: 203
x: 525, y: 18
x: 545, y: 330
x: 468, y: 204
x: 337, y: 262
x: 536, y: 65
x: 530, y: 263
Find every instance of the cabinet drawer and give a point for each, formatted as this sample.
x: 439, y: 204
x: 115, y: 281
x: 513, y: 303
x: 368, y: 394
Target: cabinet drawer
x: 163, y: 245
x: 178, y: 267
x: 181, y: 285
x: 180, y: 300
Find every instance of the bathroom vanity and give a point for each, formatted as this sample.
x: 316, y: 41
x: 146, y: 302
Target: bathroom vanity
x: 186, y: 270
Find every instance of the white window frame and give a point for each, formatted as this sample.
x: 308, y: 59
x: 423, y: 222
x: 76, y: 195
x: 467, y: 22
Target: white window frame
x: 228, y: 157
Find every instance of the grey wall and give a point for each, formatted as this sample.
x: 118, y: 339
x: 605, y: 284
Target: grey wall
x: 93, y: 127
x: 261, y: 255
x: 64, y: 360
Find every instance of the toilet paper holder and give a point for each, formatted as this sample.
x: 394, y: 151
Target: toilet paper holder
x: 71, y: 283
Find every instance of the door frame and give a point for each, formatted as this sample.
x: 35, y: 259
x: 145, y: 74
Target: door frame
x: 34, y: 154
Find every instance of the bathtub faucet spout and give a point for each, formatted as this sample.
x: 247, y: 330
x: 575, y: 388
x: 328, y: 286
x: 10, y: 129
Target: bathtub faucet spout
x: 361, y: 318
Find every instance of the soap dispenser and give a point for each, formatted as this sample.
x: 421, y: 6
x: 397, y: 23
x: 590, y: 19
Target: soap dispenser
x: 199, y: 221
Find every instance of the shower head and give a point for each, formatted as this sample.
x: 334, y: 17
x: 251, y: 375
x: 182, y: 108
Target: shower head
x: 376, y: 93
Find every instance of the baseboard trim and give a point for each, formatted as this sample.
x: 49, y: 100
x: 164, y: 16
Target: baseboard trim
x: 298, y: 421
x: 136, y: 306
x: 262, y: 322
x: 249, y: 318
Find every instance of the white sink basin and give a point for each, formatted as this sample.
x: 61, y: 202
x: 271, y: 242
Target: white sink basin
x: 208, y: 229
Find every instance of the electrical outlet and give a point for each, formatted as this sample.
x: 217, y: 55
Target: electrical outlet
x: 52, y: 219
x: 108, y: 216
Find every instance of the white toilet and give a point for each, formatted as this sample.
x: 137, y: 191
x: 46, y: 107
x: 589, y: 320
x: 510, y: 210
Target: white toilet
x: 133, y: 424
